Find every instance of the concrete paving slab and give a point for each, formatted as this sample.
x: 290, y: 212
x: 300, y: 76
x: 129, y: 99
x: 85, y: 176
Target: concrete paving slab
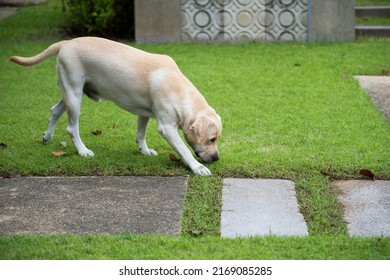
x: 6, y: 12
x: 378, y: 87
x: 366, y: 206
x: 91, y: 205
x: 258, y: 207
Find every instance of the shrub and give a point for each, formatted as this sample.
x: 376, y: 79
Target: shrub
x: 105, y: 18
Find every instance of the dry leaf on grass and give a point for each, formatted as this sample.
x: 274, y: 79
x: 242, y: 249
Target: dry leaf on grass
x: 173, y: 158
x: 58, y: 154
x: 96, y: 132
x: 367, y: 173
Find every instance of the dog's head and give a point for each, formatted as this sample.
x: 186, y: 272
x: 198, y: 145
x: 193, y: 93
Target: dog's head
x: 203, y: 134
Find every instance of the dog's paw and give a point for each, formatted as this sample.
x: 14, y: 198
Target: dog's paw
x: 46, y: 138
x: 86, y: 153
x: 201, y: 170
x: 148, y: 152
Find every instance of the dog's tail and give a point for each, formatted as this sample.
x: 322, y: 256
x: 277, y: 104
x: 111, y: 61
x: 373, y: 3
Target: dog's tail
x: 29, y: 61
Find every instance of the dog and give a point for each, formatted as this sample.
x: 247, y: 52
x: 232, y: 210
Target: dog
x: 145, y: 84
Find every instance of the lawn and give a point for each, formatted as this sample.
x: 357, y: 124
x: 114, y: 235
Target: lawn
x: 289, y: 111
x: 372, y: 2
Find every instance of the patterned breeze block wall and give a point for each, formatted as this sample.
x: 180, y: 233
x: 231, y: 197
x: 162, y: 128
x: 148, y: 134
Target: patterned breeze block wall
x: 243, y: 20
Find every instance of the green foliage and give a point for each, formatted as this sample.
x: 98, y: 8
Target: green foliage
x: 106, y: 18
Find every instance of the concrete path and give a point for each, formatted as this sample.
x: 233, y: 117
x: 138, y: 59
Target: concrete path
x: 89, y: 205
x: 255, y: 207
x: 366, y: 206
x: 378, y: 87
x: 6, y: 12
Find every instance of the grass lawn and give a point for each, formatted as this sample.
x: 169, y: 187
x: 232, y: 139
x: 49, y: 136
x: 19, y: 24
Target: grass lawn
x: 372, y: 2
x: 289, y: 110
x: 373, y: 21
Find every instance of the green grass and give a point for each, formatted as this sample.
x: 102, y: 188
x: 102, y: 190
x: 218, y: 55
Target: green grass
x: 152, y: 247
x: 372, y: 2
x: 372, y: 21
x: 289, y: 110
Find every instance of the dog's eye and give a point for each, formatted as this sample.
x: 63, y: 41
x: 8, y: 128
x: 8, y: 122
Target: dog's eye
x: 212, y: 140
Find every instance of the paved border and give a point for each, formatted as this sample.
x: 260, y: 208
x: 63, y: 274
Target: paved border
x: 378, y: 87
x: 366, y: 206
x: 89, y: 205
x: 252, y: 207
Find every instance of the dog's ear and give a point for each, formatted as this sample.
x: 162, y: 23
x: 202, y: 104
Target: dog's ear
x: 200, y: 127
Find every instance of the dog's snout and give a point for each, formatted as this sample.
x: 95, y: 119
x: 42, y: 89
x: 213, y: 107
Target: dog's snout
x: 215, y: 157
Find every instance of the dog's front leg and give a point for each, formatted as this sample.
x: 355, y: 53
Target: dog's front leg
x: 141, y: 137
x: 171, y: 134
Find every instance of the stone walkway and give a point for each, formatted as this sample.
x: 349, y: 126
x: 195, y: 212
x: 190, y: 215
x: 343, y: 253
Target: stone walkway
x: 378, y: 88
x: 260, y: 207
x: 366, y: 206
x: 89, y: 205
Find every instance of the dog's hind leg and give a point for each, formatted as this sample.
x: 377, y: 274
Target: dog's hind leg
x: 56, y: 112
x: 141, y: 137
x: 72, y: 96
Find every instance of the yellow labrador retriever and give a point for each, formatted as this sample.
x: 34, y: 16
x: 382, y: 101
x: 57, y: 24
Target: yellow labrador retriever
x: 145, y: 84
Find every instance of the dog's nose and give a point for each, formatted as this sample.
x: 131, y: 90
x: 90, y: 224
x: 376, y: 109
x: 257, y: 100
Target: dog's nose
x: 196, y: 153
x: 215, y: 157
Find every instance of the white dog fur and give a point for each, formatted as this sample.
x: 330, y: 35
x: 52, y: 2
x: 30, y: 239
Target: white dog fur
x: 145, y: 84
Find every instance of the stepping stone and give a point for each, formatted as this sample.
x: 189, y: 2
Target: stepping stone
x: 91, y: 205
x: 378, y: 88
x: 366, y: 206
x: 258, y: 207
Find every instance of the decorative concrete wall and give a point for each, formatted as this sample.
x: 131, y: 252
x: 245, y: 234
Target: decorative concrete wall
x: 243, y: 20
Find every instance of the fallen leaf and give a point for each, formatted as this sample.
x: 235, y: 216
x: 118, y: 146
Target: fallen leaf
x: 63, y: 144
x: 173, y: 158
x: 96, y: 132
x: 385, y: 72
x: 367, y: 173
x: 58, y: 154
x: 3, y: 146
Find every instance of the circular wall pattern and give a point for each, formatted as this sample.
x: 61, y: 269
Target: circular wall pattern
x: 265, y: 2
x: 244, y: 18
x: 244, y: 36
x: 202, y: 2
x: 287, y: 2
x: 202, y: 18
x: 286, y: 18
x: 286, y: 36
x: 203, y: 36
x: 244, y: 2
x: 224, y: 20
x: 266, y: 18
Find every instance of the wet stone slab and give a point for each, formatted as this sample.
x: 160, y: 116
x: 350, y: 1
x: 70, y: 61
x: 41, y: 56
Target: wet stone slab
x: 258, y: 207
x: 366, y: 206
x: 91, y: 205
